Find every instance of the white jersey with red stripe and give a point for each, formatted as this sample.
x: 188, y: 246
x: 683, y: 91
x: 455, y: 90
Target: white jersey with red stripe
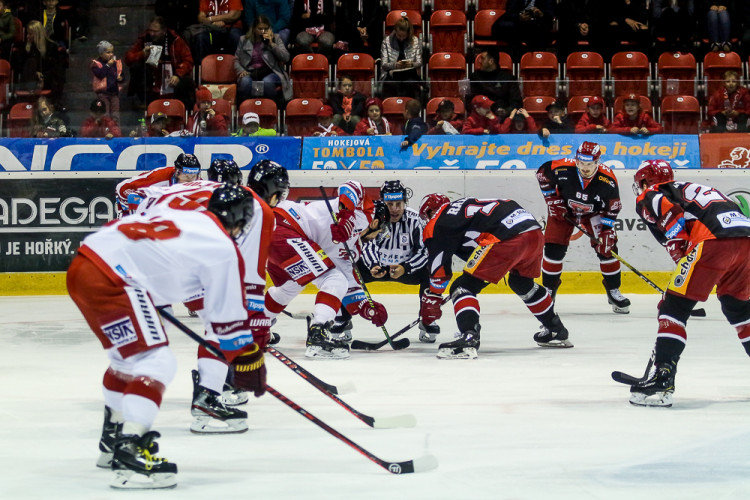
x: 130, y: 192
x: 172, y: 255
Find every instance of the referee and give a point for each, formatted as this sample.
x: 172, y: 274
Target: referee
x: 395, y: 254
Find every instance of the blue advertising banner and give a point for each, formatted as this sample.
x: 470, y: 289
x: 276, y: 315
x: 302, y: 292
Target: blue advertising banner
x: 102, y: 155
x: 509, y: 151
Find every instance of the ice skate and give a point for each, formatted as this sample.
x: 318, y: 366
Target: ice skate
x: 464, y: 347
x: 620, y: 304
x: 231, y: 396
x: 211, y: 415
x: 110, y: 432
x: 658, y: 388
x: 321, y: 345
x: 428, y: 333
x: 136, y: 465
x: 342, y: 330
x: 554, y: 336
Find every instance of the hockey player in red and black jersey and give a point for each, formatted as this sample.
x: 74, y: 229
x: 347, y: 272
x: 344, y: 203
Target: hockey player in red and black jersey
x: 495, y: 238
x: 708, y: 237
x: 584, y: 192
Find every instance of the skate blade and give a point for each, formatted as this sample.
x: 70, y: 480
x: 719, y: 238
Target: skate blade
x: 317, y: 352
x: 231, y: 398
x: 427, y: 338
x: 210, y: 425
x: 457, y: 353
x: 620, y: 310
x: 130, y: 480
x: 658, y: 400
x: 343, y: 337
x: 105, y: 460
x: 556, y: 343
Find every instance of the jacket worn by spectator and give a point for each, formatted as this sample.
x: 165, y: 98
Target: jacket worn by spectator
x: 93, y: 127
x: 455, y: 121
x: 274, y: 57
x: 414, y: 129
x: 175, y: 52
x: 499, y: 85
x: 476, y: 124
x: 587, y: 124
x: 622, y: 124
x: 109, y: 72
x: 739, y: 101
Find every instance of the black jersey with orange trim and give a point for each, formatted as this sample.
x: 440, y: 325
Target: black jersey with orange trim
x: 707, y: 213
x: 599, y: 195
x: 461, y: 226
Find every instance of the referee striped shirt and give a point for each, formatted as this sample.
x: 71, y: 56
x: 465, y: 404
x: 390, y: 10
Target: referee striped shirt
x: 401, y: 245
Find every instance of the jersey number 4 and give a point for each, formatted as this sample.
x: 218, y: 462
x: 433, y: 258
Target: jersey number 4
x: 154, y: 230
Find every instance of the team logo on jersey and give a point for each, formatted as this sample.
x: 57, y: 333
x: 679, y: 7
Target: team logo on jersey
x: 404, y: 239
x: 120, y: 332
x: 516, y: 217
x: 685, y: 269
x: 733, y: 219
x: 297, y: 270
x: 581, y: 208
x: 606, y: 180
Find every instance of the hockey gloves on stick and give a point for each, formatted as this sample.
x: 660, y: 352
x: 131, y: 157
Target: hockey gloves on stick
x: 250, y: 371
x: 556, y: 207
x: 344, y: 227
x: 429, y: 310
x: 606, y: 242
x: 677, y: 249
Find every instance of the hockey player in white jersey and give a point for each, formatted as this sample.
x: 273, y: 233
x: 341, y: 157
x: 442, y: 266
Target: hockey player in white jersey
x: 308, y: 248
x: 121, y: 274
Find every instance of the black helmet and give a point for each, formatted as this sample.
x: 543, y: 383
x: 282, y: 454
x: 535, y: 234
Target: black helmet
x: 394, y: 191
x: 268, y: 178
x: 187, y: 164
x: 232, y: 204
x: 224, y: 171
x: 381, y: 214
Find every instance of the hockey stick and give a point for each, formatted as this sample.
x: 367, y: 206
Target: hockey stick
x: 421, y: 464
x: 401, y: 344
x: 190, y: 333
x: 374, y: 346
x: 695, y: 312
x: 330, y: 391
x: 315, y: 381
x: 626, y: 379
x: 302, y: 315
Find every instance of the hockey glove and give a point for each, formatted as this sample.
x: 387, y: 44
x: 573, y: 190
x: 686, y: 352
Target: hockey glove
x: 250, y: 371
x: 374, y: 313
x: 606, y: 242
x: 344, y: 227
x: 429, y: 310
x: 556, y: 207
x: 260, y: 325
x: 677, y: 249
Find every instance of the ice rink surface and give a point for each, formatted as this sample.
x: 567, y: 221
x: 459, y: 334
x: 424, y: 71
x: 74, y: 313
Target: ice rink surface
x: 520, y: 422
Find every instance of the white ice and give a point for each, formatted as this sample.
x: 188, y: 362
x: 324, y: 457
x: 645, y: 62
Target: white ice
x: 520, y: 422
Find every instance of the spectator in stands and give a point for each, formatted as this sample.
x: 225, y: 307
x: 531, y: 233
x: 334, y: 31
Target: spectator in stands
x: 729, y: 107
x: 312, y: 21
x: 632, y: 120
x: 557, y: 121
x: 499, y: 85
x: 359, y: 25
x: 178, y: 14
x: 594, y: 121
x: 259, y: 63
x: 278, y: 14
x: 719, y: 25
x: 47, y: 122
x: 526, y: 21
x: 161, y: 65
x: 107, y: 78
x: 218, y: 30
x: 519, y: 122
x: 628, y: 22
x: 375, y: 123
x: 582, y: 26
x: 415, y: 127
x: 401, y: 61
x: 446, y: 121
x: 55, y: 23
x: 251, y: 127
x: 158, y: 125
x: 99, y: 124
x: 348, y: 105
x: 482, y: 120
x: 325, y: 126
x: 38, y: 63
x: 7, y: 31
x: 675, y: 22
x: 205, y: 121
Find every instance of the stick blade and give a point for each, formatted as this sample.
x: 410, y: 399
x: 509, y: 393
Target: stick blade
x: 394, y: 422
x: 624, y: 378
x: 421, y: 464
x: 425, y: 463
x: 359, y: 345
x: 401, y: 344
x: 698, y: 313
x: 345, y: 388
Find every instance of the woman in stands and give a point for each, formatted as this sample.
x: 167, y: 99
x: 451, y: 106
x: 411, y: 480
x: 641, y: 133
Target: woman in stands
x: 401, y: 61
x: 38, y: 63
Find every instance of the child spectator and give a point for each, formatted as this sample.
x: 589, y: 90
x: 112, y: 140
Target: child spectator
x: 348, y: 105
x: 728, y: 108
x: 482, y: 120
x: 206, y: 121
x: 375, y: 123
x: 557, y: 122
x: 446, y: 121
x: 47, y: 122
x: 99, y: 124
x: 325, y: 127
x: 634, y: 121
x: 107, y: 71
x: 158, y: 126
x: 415, y: 126
x: 251, y: 127
x: 593, y: 120
x: 519, y: 122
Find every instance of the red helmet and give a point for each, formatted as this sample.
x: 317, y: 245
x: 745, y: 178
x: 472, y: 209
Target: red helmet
x: 431, y: 204
x: 653, y: 172
x: 588, y: 151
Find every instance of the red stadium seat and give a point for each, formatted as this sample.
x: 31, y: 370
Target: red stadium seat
x: 432, y: 105
x: 309, y: 74
x: 677, y: 74
x: 300, y: 116
x: 448, y: 31
x: 265, y: 108
x: 414, y: 16
x: 5, y: 79
x: 539, y: 74
x: 444, y: 70
x: 360, y: 67
x: 680, y: 114
x: 417, y: 5
x: 584, y: 72
x: 173, y: 108
x: 393, y: 110
x: 631, y: 73
x: 217, y: 74
x: 19, y: 119
x: 714, y: 66
x: 462, y: 5
x: 491, y: 4
x: 483, y: 21
x: 645, y: 104
x: 537, y: 107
